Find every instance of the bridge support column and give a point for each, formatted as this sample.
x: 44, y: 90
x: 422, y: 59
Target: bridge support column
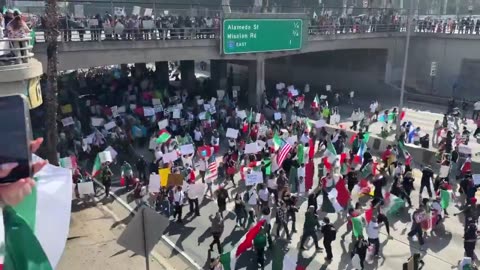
x: 218, y: 74
x: 256, y: 82
x: 140, y: 69
x: 187, y: 69
x: 388, y: 67
x: 161, y: 72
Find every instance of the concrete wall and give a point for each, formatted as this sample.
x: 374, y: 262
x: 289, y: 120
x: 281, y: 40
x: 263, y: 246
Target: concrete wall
x: 344, y: 69
x: 14, y: 79
x: 458, y: 59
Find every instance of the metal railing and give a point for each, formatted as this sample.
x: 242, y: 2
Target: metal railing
x: 15, y: 51
x: 99, y: 35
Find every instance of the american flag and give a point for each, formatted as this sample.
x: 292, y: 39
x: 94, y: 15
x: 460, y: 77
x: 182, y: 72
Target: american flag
x: 282, y: 154
x: 212, y: 169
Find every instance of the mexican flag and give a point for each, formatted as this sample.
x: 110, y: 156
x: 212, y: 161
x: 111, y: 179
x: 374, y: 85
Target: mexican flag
x: 164, y: 136
x: 392, y: 204
x: 330, y: 152
x: 229, y: 259
x: 97, y: 167
x: 33, y: 234
x: 68, y: 162
x: 316, y: 102
x: 277, y: 141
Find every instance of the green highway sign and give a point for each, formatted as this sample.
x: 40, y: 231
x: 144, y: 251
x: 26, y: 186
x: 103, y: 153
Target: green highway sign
x: 261, y: 35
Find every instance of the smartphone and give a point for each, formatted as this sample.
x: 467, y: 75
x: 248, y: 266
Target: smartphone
x: 15, y: 136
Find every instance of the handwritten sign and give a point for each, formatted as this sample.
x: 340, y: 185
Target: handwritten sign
x: 232, y: 133
x: 67, y: 121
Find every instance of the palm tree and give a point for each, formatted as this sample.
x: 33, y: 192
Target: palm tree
x: 51, y: 104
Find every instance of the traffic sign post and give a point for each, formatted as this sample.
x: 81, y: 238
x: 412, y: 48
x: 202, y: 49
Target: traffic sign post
x: 261, y: 35
x: 433, y: 74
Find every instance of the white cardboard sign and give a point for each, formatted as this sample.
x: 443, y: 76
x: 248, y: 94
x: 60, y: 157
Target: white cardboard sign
x: 105, y: 156
x: 148, y: 111
x: 252, y: 148
x: 253, y: 178
x: 110, y: 125
x: 232, y: 133
x: 67, y: 121
x: 97, y: 122
x: 112, y: 152
x: 241, y: 114
x: 168, y: 157
x: 277, y: 116
x: 187, y: 149
x: 163, y: 124
x: 86, y: 188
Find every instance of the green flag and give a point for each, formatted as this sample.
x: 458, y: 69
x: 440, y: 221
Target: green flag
x: 445, y: 198
x: 301, y: 154
x: 357, y: 225
x: 164, y: 137
x: 268, y: 167
x: 277, y: 142
x: 366, y: 137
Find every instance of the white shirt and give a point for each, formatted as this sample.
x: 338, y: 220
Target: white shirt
x: 197, y: 135
x: 272, y: 183
x: 178, y: 197
x: 263, y: 194
x: 301, y: 172
x: 399, y: 170
x: 202, y: 165
x: 373, y: 230
x: 252, y: 200
x: 476, y: 106
x: 267, y: 218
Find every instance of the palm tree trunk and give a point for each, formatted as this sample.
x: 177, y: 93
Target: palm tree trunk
x: 51, y: 104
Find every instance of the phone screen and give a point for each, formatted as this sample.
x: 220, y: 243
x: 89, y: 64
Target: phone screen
x: 14, y: 137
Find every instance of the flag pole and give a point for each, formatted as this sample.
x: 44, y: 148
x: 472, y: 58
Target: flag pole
x: 147, y: 261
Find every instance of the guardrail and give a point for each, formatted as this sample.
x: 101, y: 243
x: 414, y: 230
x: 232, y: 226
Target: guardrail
x: 15, y: 51
x: 81, y: 35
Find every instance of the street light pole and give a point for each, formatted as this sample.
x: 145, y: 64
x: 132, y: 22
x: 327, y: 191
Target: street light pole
x: 404, y: 71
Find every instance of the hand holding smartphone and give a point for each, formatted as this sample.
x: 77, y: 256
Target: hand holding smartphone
x: 15, y: 138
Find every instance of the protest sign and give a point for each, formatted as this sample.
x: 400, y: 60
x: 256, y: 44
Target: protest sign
x: 212, y: 101
x: 258, y: 117
x: 154, y: 183
x: 202, y: 116
x: 234, y: 93
x: 200, y: 101
x: 122, y: 109
x: 179, y: 106
x: 110, y: 125
x: 175, y: 179
x: 253, y: 178
x: 232, y: 133
x: 212, y: 110
x: 241, y: 114
x: 252, y: 148
x: 292, y: 140
x: 277, y: 116
x: 290, y: 88
x: 112, y: 152
x: 220, y: 94
x: 156, y: 101
x: 476, y: 179
x: 262, y: 131
x: 206, y: 106
x: 114, y: 110
x: 97, y: 122
x: 278, y: 86
x: 158, y: 108
x: 67, y: 108
x: 443, y: 171
x: 196, y: 190
x: 328, y: 87
x: 67, y: 121
x: 163, y: 173
x: 148, y: 111
x: 169, y: 157
x: 163, y: 124
x: 294, y: 92
x: 92, y: 22
x: 136, y: 10
x: 78, y: 11
x: 323, y: 97
x: 148, y: 12
x: 176, y: 114
x: 105, y: 156
x: 152, y: 144
x: 85, y: 188
x: 187, y: 149
x: 261, y: 144
x: 320, y: 123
